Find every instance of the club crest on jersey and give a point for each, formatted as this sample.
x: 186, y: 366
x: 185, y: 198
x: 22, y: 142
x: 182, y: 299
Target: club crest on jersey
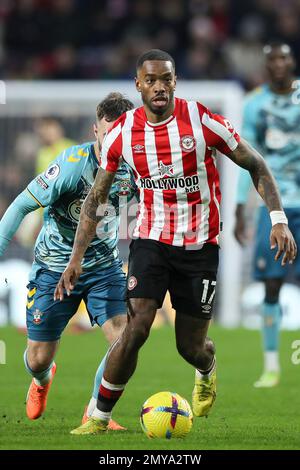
x: 166, y: 170
x: 74, y: 209
x: 132, y: 282
x: 123, y: 187
x: 37, y: 316
x: 188, y: 143
x: 52, y: 172
x: 138, y: 148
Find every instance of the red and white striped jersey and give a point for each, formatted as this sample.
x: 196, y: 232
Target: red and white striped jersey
x: 175, y: 169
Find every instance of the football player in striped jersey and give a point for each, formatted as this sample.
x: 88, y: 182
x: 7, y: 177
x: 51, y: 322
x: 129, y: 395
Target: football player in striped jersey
x: 170, y: 144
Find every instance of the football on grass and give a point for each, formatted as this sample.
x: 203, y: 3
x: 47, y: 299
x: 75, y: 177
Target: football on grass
x: 166, y: 415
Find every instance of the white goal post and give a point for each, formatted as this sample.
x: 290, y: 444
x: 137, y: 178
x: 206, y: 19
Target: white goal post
x: 40, y: 98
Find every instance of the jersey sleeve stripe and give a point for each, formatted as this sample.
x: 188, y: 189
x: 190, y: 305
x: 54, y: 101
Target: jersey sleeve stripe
x: 221, y: 131
x: 126, y: 140
x: 202, y: 217
x: 36, y: 200
x: 108, y: 163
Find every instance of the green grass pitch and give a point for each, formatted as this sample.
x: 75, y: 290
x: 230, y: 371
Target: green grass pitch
x: 242, y: 418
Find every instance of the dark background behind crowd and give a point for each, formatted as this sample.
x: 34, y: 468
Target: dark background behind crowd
x: 101, y: 39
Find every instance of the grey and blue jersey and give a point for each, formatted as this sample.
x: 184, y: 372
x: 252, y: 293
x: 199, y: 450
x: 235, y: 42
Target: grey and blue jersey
x: 61, y: 189
x: 271, y: 123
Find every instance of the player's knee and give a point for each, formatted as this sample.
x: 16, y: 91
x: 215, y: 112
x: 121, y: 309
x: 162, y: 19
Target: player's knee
x: 38, y: 360
x: 141, y: 316
x: 138, y: 335
x: 113, y: 328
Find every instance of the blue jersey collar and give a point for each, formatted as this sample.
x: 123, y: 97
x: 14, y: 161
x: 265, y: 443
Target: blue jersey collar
x: 94, y: 155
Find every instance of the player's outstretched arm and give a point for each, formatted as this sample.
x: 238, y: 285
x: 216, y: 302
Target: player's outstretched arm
x: 91, y: 214
x: 9, y: 224
x: 248, y: 158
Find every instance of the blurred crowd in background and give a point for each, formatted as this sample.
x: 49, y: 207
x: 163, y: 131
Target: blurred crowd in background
x: 101, y: 39
x: 31, y: 151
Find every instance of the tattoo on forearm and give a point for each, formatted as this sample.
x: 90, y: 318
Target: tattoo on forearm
x: 249, y: 159
x: 97, y: 196
x: 90, y: 207
x: 90, y: 214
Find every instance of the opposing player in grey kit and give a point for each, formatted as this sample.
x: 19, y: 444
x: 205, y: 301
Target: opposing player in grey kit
x: 61, y: 190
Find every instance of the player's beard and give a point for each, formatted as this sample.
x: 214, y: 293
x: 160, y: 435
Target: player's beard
x: 159, y: 111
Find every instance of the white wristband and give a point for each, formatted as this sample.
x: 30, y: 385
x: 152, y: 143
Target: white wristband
x: 278, y: 217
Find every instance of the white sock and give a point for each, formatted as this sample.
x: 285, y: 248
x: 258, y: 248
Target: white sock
x: 91, y: 406
x: 206, y: 376
x: 271, y: 360
x: 44, y: 381
x: 101, y: 415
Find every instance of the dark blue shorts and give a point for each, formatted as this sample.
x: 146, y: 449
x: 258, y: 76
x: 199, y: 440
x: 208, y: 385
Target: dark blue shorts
x: 102, y: 290
x: 265, y: 267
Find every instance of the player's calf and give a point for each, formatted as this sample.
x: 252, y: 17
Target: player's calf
x: 198, y: 355
x: 203, y: 359
x: 43, y: 375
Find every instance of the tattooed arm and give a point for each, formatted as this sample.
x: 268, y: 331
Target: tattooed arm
x: 91, y: 214
x: 248, y: 158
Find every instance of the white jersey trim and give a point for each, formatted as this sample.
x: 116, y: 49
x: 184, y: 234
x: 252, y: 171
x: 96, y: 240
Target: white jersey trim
x: 107, y: 143
x: 158, y: 199
x: 182, y: 200
x: 220, y: 130
x: 203, y: 231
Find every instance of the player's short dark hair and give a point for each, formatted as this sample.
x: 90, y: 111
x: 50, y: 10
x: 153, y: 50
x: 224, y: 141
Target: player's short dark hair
x: 49, y: 120
x: 154, y: 54
x: 113, y: 106
x: 277, y: 44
